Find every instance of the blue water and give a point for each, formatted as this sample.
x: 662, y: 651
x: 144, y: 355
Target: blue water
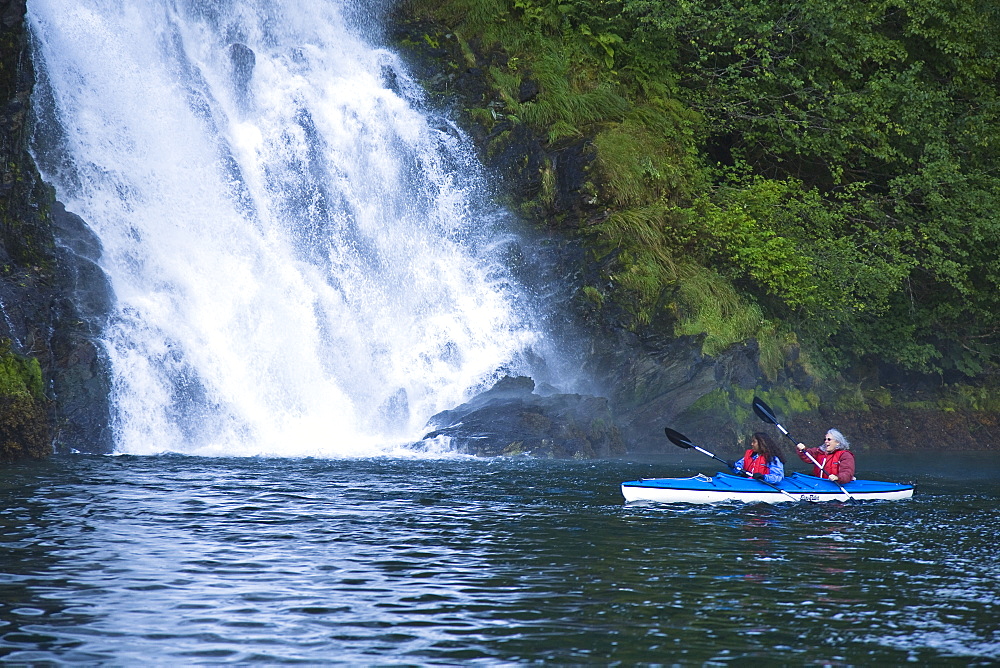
x: 179, y: 560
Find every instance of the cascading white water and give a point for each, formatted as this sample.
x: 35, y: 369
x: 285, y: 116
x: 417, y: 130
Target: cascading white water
x: 299, y: 260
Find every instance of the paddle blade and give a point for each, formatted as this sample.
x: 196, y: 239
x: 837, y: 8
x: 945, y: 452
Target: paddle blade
x: 764, y: 411
x: 678, y: 438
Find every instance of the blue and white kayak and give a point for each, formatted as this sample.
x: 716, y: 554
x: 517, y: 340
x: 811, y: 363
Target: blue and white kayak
x: 726, y: 487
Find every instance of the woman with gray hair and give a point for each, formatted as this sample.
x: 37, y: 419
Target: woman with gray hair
x: 833, y: 460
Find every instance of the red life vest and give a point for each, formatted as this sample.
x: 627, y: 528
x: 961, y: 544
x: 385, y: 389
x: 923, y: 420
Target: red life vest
x: 830, y: 464
x: 754, y: 463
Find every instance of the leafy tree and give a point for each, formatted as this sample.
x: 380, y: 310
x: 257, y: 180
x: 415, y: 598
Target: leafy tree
x: 889, y: 112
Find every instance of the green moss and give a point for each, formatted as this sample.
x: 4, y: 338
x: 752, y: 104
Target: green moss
x: 506, y: 82
x: 919, y: 405
x: 774, y: 347
x: 499, y: 142
x: 879, y: 396
x: 593, y: 295
x: 850, y: 398
x: 951, y: 398
x: 970, y: 398
x: 483, y: 116
x: 726, y: 406
x: 23, y: 407
x: 23, y: 429
x: 651, y: 155
x: 20, y: 376
x: 566, y: 107
x: 709, y: 305
x: 789, y: 401
x: 717, y: 401
x: 514, y: 448
x: 547, y: 196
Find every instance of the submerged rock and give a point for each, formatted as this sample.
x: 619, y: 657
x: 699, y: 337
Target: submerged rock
x: 243, y: 60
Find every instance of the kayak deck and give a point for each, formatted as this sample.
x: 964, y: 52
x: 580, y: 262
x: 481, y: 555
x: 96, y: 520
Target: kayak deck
x: 726, y: 487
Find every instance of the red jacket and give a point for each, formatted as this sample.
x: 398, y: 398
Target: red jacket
x: 754, y: 463
x: 840, y: 463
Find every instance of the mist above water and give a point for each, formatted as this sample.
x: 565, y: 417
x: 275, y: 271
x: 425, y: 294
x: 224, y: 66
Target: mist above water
x: 302, y: 257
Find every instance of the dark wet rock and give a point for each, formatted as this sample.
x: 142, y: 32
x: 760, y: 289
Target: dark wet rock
x: 528, y: 90
x: 54, y: 297
x: 243, y: 61
x: 653, y: 382
x: 390, y: 80
x: 395, y: 409
x: 571, y: 165
x: 12, y: 13
x: 80, y: 369
x: 510, y: 418
x: 516, y: 156
x: 897, y: 429
x: 472, y: 83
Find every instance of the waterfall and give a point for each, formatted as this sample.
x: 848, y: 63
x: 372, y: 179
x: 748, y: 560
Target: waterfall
x: 301, y: 254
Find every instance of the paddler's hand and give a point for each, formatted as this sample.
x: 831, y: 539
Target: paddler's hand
x: 755, y: 476
x: 800, y: 446
x: 832, y: 478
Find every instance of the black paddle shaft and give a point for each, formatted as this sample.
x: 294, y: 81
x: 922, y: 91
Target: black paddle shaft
x: 681, y: 441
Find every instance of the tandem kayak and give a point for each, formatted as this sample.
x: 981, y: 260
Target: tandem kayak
x: 726, y: 487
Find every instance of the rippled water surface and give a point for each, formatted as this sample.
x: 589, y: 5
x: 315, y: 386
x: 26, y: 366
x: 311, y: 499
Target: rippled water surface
x: 177, y: 560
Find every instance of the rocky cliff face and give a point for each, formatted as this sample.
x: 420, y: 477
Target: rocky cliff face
x: 53, y: 295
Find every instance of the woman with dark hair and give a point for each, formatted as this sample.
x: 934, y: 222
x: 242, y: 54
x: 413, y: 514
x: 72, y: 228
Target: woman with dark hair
x: 833, y: 460
x: 762, y: 460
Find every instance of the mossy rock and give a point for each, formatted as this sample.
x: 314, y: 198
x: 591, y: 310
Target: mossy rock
x: 20, y: 376
x: 24, y: 430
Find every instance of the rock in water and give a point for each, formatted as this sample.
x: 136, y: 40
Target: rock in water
x: 510, y: 418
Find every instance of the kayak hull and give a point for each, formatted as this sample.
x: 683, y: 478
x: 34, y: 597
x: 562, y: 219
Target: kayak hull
x: 724, y: 487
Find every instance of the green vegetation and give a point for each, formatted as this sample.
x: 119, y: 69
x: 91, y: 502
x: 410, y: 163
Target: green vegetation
x: 795, y: 171
x: 20, y: 376
x: 23, y: 406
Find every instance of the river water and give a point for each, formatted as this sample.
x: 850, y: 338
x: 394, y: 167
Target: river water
x: 179, y: 560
